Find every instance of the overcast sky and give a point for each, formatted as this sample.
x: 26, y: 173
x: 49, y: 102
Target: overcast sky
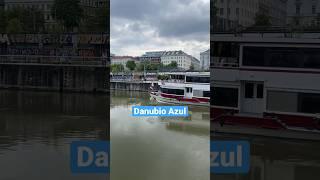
x: 138, y: 26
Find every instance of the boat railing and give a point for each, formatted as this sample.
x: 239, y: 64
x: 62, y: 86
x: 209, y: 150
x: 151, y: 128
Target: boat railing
x: 174, y: 81
x: 224, y: 62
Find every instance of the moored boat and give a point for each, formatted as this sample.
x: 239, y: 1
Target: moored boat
x: 184, y: 89
x: 266, y: 84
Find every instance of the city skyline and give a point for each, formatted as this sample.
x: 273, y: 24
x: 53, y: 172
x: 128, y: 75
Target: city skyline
x: 137, y: 27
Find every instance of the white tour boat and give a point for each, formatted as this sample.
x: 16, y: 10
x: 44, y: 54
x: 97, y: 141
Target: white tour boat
x: 266, y: 84
x: 192, y: 88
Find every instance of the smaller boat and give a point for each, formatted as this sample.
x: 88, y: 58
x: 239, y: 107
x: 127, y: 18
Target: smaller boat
x: 183, y: 88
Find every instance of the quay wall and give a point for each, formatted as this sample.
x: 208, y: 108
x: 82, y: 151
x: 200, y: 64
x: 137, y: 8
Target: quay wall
x: 54, y: 78
x: 130, y: 85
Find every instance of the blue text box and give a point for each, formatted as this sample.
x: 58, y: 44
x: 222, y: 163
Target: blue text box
x: 167, y: 111
x: 90, y: 156
x: 229, y: 157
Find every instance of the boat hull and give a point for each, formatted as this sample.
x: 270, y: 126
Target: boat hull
x: 275, y: 133
x: 181, y: 101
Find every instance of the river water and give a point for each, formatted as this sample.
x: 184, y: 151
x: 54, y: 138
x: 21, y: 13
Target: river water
x: 276, y: 159
x: 155, y: 148
x: 36, y: 129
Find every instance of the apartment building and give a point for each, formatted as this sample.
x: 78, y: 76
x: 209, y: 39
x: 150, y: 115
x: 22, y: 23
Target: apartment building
x: 152, y: 56
x: 205, y: 60
x: 232, y: 14
x: 184, y: 61
x: 304, y: 13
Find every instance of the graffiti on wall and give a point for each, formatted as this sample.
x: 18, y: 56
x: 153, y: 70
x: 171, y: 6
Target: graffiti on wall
x: 88, y: 45
x: 93, y: 39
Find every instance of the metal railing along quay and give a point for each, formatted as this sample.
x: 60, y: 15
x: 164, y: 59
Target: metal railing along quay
x: 54, y: 60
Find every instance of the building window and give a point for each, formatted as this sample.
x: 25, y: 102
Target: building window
x: 221, y: 11
x: 313, y: 9
x: 297, y: 9
x: 227, y: 97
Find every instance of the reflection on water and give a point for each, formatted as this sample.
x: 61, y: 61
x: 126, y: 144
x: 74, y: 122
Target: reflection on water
x: 157, y: 148
x: 273, y: 159
x: 36, y: 129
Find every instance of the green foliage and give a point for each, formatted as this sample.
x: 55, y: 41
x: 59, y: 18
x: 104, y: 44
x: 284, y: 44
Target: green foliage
x: 148, y: 66
x: 69, y: 13
x: 163, y: 77
x: 191, y: 68
x: 96, y: 22
x: 3, y: 21
x: 115, y: 68
x: 262, y: 19
x: 131, y: 65
x: 173, y: 64
x: 14, y: 26
x: 29, y: 20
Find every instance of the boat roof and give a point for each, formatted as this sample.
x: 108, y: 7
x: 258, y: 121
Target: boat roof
x: 189, y: 73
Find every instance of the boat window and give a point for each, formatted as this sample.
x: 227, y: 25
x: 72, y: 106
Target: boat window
x: 260, y: 90
x: 309, y: 103
x: 197, y: 93
x: 227, y: 97
x: 206, y: 93
x: 290, y: 57
x: 225, y: 54
x: 197, y: 79
x: 172, y: 91
x: 293, y: 102
x: 249, y: 90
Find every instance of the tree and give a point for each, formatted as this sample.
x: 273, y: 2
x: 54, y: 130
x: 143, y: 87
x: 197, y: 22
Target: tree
x: 131, y: 65
x: 31, y: 20
x: 96, y: 22
x: 69, y: 13
x: 191, y: 68
x: 115, y: 68
x: 262, y: 19
x: 14, y: 26
x: 3, y: 21
x: 173, y: 64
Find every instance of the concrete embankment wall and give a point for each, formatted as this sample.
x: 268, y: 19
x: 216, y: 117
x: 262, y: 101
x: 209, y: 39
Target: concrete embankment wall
x: 54, y: 78
x: 130, y: 86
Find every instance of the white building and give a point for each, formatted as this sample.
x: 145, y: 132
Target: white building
x: 304, y: 13
x: 183, y: 60
x: 195, y: 63
x: 205, y: 60
x: 231, y: 14
x: 123, y: 60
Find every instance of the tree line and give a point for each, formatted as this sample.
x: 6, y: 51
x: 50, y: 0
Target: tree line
x: 68, y: 16
x: 148, y: 66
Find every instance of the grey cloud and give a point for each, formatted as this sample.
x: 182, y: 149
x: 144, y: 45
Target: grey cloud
x: 159, y: 25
